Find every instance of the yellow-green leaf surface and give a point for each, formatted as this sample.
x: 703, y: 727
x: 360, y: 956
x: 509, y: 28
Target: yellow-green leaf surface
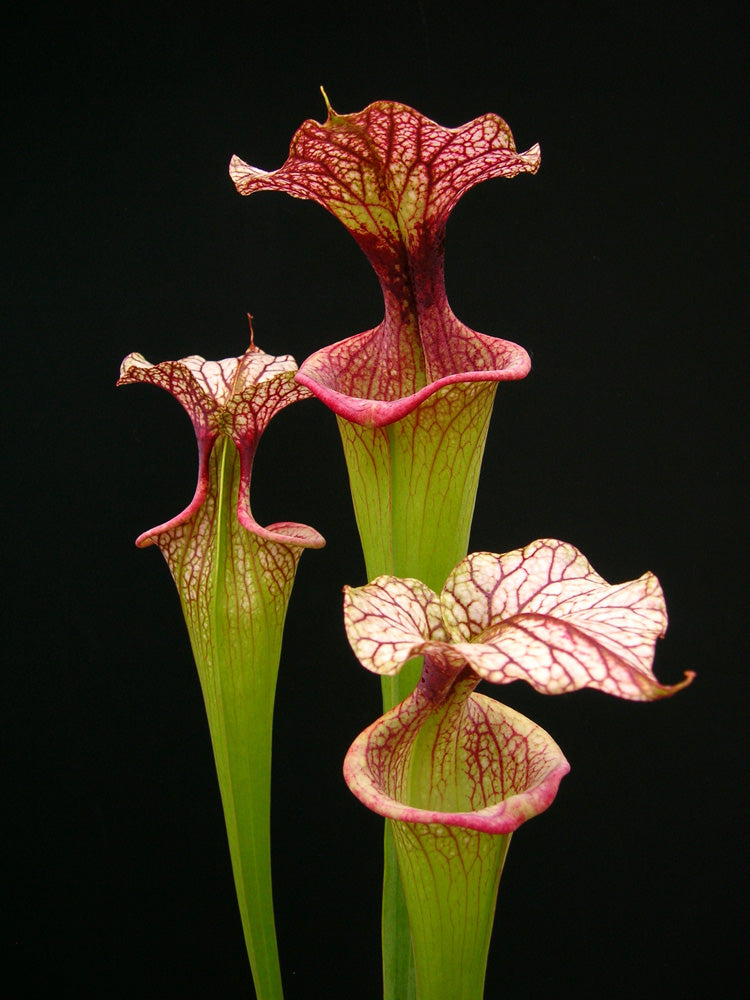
x: 234, y: 579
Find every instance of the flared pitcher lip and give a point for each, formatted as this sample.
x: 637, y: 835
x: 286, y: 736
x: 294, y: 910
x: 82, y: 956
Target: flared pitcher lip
x: 382, y: 412
x: 501, y: 817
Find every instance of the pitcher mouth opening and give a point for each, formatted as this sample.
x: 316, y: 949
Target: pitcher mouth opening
x: 316, y: 375
x: 545, y: 767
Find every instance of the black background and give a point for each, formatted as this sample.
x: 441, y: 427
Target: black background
x: 616, y: 267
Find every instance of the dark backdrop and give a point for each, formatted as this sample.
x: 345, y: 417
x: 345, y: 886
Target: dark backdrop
x: 616, y: 267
